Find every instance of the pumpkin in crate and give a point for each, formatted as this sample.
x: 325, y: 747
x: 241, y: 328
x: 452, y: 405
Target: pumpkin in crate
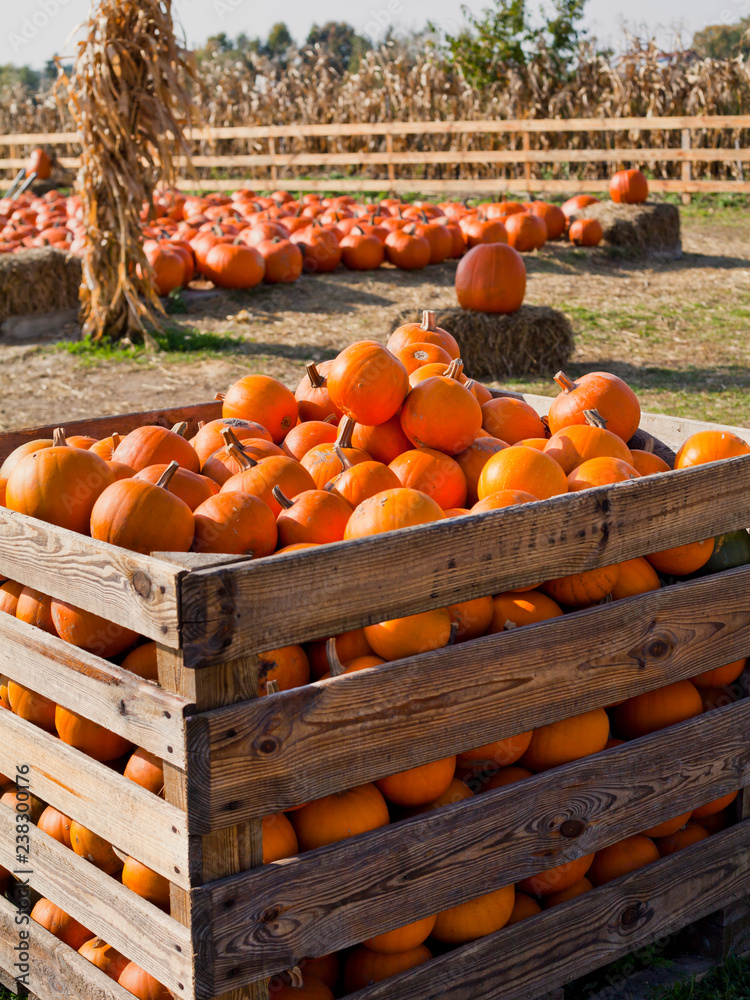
x: 141, y: 984
x: 287, y: 665
x: 392, y: 510
x: 260, y: 478
x: 729, y: 551
x: 402, y: 938
x: 35, y: 609
x: 401, y: 637
x: 500, y: 753
x: 11, y: 797
x: 636, y: 576
x: 572, y: 892
x: 426, y: 332
x: 88, y: 631
x: 209, y: 437
x: 457, y: 791
x: 362, y: 480
x: 415, y: 356
x: 32, y: 707
x: 714, y: 806
x: 471, y: 619
x: 326, y: 968
x: 383, y: 442
x: 367, y: 383
x: 308, y: 435
x: 307, y: 987
x: 646, y: 463
x: 720, y: 676
x: 653, y: 710
x: 143, y: 661
x: 668, y: 826
x: 316, y: 516
x: 104, y: 957
x: 475, y: 918
x: 567, y: 740
x: 506, y: 776
x: 690, y: 834
x: 153, y: 445
x: 511, y: 420
x: 263, y: 400
x: 19, y: 453
x: 601, y: 471
x: 710, y: 446
x: 235, y: 524
x: 146, y: 883
x: 581, y: 590
x: 575, y: 444
x: 146, y: 770
x: 474, y: 458
x: 433, y: 473
x: 61, y: 924
x: 225, y: 462
x: 559, y: 878
x: 620, y: 859
x: 324, y: 461
x: 339, y: 816
x: 525, y: 906
x: 419, y: 785
x: 347, y: 646
x: 313, y: 400
x: 491, y: 278
x: 89, y: 737
x: 365, y: 967
x: 95, y: 849
x: 191, y: 487
x: 279, y: 838
x: 612, y: 398
x: 521, y: 468
x: 9, y: 595
x: 515, y: 609
x: 56, y: 825
x: 441, y: 413
x: 682, y: 560
x: 59, y: 485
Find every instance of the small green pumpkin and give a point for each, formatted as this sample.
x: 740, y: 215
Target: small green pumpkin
x: 730, y: 550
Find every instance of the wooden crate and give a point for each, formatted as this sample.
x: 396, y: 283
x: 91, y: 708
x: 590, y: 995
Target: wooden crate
x: 232, y: 758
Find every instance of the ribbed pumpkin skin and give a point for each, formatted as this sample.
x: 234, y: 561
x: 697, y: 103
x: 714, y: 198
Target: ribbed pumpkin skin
x: 142, y: 985
x: 710, y: 446
x: 222, y: 465
x: 303, y: 437
x: 520, y: 468
x: 653, y: 710
x: 636, y: 576
x: 619, y: 859
x: 90, y: 632
x: 557, y: 879
x: 59, y: 485
x: 190, y: 487
x: 89, y: 737
x: 142, y: 518
x: 567, y: 740
x: 476, y: 917
x: 340, y: 816
x: 104, y: 957
x: 21, y: 452
x: 441, y: 413
x: 367, y: 382
x: 583, y: 589
x: 10, y: 593
x: 402, y: 938
x: 365, y: 967
x: 279, y: 838
x: 363, y: 481
x: 59, y: 923
x: 155, y: 446
x: 417, y: 786
x: 601, y: 391
x: 391, y: 510
x: 690, y: 834
x: 574, y: 445
x: 32, y: 707
x: 491, y: 278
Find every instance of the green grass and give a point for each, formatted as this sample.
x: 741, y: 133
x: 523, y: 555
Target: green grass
x: 731, y: 981
x: 175, y: 343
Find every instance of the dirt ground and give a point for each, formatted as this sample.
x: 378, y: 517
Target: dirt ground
x: 679, y: 331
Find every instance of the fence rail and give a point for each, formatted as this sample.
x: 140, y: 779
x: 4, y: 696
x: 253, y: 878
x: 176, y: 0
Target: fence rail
x: 280, y: 167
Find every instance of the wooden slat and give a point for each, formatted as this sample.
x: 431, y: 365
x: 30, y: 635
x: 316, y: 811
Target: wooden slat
x: 264, y: 757
x: 575, y: 938
x: 56, y: 971
x: 121, y: 586
x: 138, y: 929
x: 250, y: 607
x: 101, y: 427
x: 136, y: 709
x: 134, y: 820
x: 237, y: 848
x: 347, y: 892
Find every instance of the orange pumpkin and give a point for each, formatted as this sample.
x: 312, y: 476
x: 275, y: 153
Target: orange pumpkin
x: 10, y: 592
x: 501, y: 753
x: 601, y: 471
x: 402, y: 637
x: 312, y: 396
x: 32, y: 707
x: 382, y: 443
x: 55, y: 825
x: 645, y: 462
x: 683, y: 559
x: 259, y: 478
x: 620, y: 859
x: 339, y: 816
x: 19, y: 453
x: 668, y: 826
x: 90, y: 632
x: 141, y: 984
x: 418, y: 785
x: 572, y: 892
x: 581, y: 590
x: 573, y: 445
x: 612, y: 398
x: 471, y: 618
x: 425, y: 332
x: 86, y: 844
x: 146, y: 883
x: 308, y: 435
x: 511, y: 419
x: 225, y: 463
x: 441, y: 413
x: 526, y: 231
x: 325, y: 461
x: 190, y: 487
x: 143, y: 661
x: 104, y: 957
x: 714, y: 806
x: 686, y: 837
x: 567, y: 740
x: 433, y: 473
x: 59, y: 485
x: 720, y: 676
x: 402, y: 938
x: 89, y: 737
x: 209, y: 438
x: 520, y: 468
x: 347, y: 646
x: 474, y: 458
x: 406, y: 249
x: 326, y: 968
x: 491, y: 278
x: 524, y: 906
x: 143, y: 517
x: 557, y: 879
x: 476, y: 917
x: 553, y: 216
x: 235, y: 523
x: 61, y: 924
x: 287, y: 665
x: 367, y: 382
x: 653, y: 710
x: 311, y: 988
x: 364, y: 967
x: 415, y: 356
x: 279, y: 838
x: 586, y: 232
x: 35, y: 609
x: 628, y: 187
x: 146, y: 770
x: 514, y: 610
x: 316, y: 516
x: 155, y: 446
x: 359, y: 482
x: 391, y: 510
x: 506, y: 776
x: 457, y: 791
x: 263, y: 400
x: 636, y: 576
x: 710, y: 446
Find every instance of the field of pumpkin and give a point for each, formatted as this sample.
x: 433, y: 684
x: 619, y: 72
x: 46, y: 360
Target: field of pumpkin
x: 378, y: 439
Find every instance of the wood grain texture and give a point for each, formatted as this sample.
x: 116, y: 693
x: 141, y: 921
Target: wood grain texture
x: 575, y: 938
x: 266, y: 921
x: 120, y: 586
x: 264, y: 756
x: 141, y: 931
x: 234, y: 849
x: 95, y: 688
x: 56, y: 971
x: 134, y: 820
x: 123, y: 423
x: 251, y: 607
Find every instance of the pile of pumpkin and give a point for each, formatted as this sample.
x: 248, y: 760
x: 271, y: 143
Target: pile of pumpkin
x: 378, y: 439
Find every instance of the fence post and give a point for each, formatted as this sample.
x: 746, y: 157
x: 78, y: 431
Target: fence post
x: 527, y: 163
x: 687, y: 167
x: 272, y: 152
x: 391, y: 166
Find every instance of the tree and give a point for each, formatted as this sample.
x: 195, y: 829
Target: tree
x: 342, y: 43
x: 723, y: 41
x: 503, y: 36
x: 279, y: 40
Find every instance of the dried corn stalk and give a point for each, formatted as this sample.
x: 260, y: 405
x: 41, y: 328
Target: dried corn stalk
x: 129, y: 102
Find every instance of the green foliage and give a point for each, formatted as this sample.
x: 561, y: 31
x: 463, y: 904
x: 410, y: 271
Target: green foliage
x: 723, y: 41
x: 24, y: 76
x: 342, y: 43
x: 279, y: 40
x: 505, y: 36
x: 730, y: 981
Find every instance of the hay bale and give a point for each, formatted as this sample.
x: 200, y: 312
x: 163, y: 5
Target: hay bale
x: 653, y: 227
x: 39, y: 280
x: 536, y: 340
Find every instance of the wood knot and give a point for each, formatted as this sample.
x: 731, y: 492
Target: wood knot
x: 271, y: 914
x: 268, y: 746
x: 630, y: 915
x: 141, y: 583
x: 658, y: 649
x: 572, y: 828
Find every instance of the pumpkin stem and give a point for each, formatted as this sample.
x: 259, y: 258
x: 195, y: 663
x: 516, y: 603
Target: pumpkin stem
x: 295, y: 977
x: 239, y: 456
x: 282, y: 498
x: 595, y: 419
x: 454, y: 633
x: 566, y: 384
x: 115, y: 442
x: 342, y: 457
x: 166, y: 477
x: 58, y: 438
x: 330, y: 419
x: 335, y: 665
x: 221, y: 396
x: 316, y: 379
x: 346, y: 429
x: 455, y: 370
x: 648, y: 445
x: 201, y: 424
x: 272, y: 687
x: 180, y: 428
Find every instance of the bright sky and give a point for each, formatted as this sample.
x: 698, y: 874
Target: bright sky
x: 34, y: 30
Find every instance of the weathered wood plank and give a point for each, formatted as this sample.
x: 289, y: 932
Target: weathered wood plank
x: 237, y: 848
x: 141, y: 931
x: 55, y: 970
x: 250, y: 607
x: 121, y: 586
x: 134, y: 820
x: 123, y: 423
x: 345, y: 893
x: 575, y: 938
x: 95, y: 688
x: 264, y: 756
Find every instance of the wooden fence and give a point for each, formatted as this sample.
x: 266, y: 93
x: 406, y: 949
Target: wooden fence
x: 285, y: 162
